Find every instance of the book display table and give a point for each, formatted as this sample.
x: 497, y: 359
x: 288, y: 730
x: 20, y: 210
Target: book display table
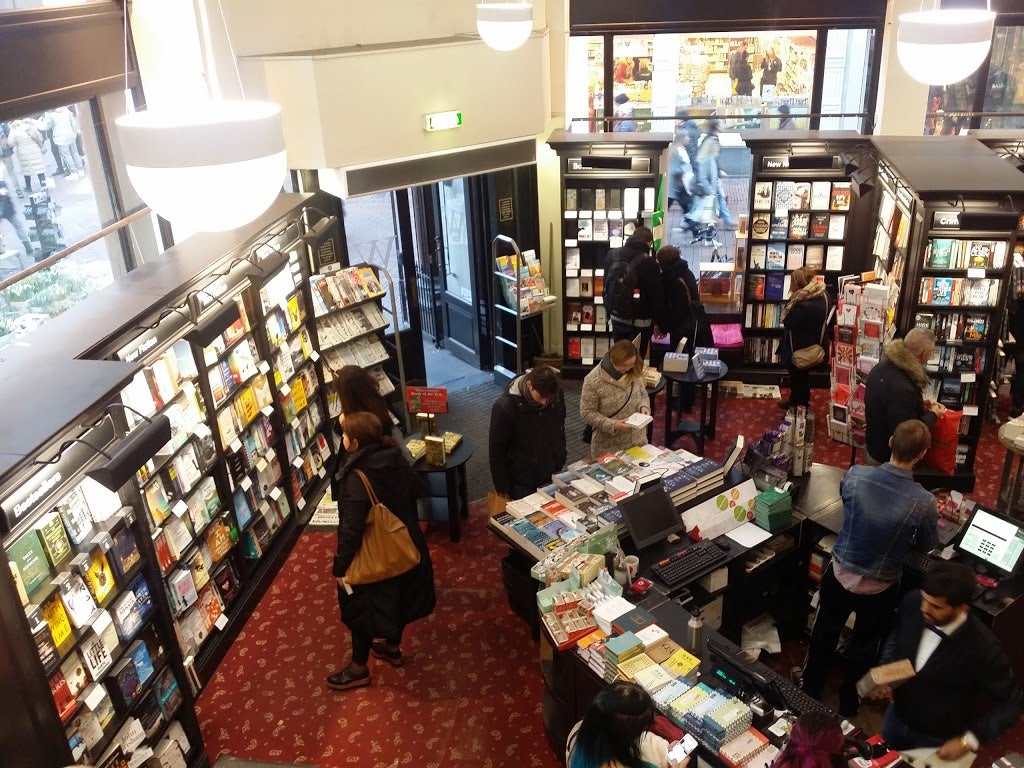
x: 699, y: 430
x: 456, y: 492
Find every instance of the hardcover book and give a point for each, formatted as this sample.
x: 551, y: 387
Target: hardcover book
x: 124, y: 681
x: 758, y: 256
x: 55, y: 539
x: 139, y: 655
x: 28, y: 555
x: 819, y: 226
x: 78, y: 600
x: 799, y: 225
x: 124, y: 554
x: 74, y: 511
x: 62, y: 696
x: 168, y: 694
x: 842, y: 196
x: 95, y: 655
x: 762, y: 196
x: 760, y: 225
x: 940, y: 253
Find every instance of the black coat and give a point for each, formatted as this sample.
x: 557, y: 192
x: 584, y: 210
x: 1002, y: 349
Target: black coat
x: 527, y: 442
x: 943, y: 697
x: 804, y: 322
x: 651, y: 304
x: 382, y: 609
x: 891, y: 397
x: 677, y: 319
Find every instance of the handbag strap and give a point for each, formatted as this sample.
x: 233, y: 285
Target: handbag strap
x: 625, y: 402
x: 374, y: 501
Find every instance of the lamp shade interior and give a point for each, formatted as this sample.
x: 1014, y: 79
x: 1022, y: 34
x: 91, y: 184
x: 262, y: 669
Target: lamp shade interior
x: 504, y: 26
x: 944, y: 46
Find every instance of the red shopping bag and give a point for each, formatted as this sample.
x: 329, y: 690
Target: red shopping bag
x: 945, y: 436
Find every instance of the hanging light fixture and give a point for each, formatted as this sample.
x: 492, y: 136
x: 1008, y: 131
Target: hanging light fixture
x: 208, y: 165
x: 504, y: 26
x: 944, y: 46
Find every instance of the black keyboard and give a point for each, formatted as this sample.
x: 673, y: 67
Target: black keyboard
x: 798, y: 700
x: 686, y: 563
x: 919, y: 561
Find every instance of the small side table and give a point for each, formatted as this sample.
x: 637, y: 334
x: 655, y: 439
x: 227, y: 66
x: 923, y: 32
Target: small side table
x: 1013, y: 470
x: 456, y: 491
x: 705, y: 428
x: 652, y: 393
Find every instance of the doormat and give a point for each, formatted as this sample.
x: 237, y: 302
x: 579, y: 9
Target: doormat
x: 227, y: 761
x: 750, y: 391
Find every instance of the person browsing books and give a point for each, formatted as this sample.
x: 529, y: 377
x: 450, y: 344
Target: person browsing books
x: 895, y: 390
x: 963, y: 692
x: 615, y: 732
x: 527, y: 436
x: 382, y: 609
x: 633, y: 293
x: 885, y: 514
x: 803, y: 317
x: 612, y: 392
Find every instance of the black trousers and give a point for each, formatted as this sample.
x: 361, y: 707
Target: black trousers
x: 835, y: 604
x: 361, y: 646
x: 799, y: 386
x: 628, y: 331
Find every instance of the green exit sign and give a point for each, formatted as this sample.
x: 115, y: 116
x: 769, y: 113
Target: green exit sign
x: 442, y: 121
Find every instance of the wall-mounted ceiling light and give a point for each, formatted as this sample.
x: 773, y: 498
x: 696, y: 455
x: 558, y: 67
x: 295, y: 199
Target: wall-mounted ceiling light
x: 944, y: 46
x: 504, y: 26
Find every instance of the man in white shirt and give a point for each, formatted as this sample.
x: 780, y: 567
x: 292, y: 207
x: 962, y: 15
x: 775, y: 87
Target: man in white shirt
x: 957, y: 661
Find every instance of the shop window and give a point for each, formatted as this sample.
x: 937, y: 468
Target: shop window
x: 1004, y: 85
x: 846, y: 78
x: 585, y: 83
x: 372, y: 236
x: 632, y: 81
x: 949, y: 106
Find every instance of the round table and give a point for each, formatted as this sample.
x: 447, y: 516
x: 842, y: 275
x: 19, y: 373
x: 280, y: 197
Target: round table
x: 1013, y: 469
x: 456, y: 491
x: 699, y: 430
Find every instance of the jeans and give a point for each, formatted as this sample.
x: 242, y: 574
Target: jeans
x: 723, y: 205
x: 12, y: 175
x: 70, y: 158
x: 835, y: 603
x: 19, y: 227
x: 899, y: 735
x: 621, y: 330
x: 361, y: 644
x: 799, y: 387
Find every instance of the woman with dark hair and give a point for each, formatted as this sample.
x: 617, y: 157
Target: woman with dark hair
x: 376, y: 614
x: 803, y: 317
x: 614, y: 732
x: 815, y: 741
x: 358, y: 391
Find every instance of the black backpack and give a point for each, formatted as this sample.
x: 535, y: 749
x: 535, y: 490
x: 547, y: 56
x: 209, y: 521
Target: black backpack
x: 621, y: 283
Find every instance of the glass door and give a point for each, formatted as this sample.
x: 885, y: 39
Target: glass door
x: 452, y: 241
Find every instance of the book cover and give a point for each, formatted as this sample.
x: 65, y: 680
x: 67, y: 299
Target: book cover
x: 814, y: 256
x: 785, y: 198
x: 775, y: 287
x: 74, y: 511
x: 802, y: 195
x: 78, y: 600
x: 28, y: 555
x: 124, y: 682
x: 980, y: 254
x: 758, y: 256
x: 941, y: 291
x: 940, y: 253
x: 821, y: 195
x: 979, y: 292
x: 776, y: 256
x: 834, y: 258
x: 164, y: 556
x: 924, y: 320
x: 837, y: 226
x: 795, y: 256
x: 633, y: 621
x: 140, y: 658
x: 125, y: 612
x: 975, y: 327
x: 147, y: 710
x: 842, y: 196
x: 98, y: 576
x: 63, y: 699
x: 799, y: 225
x: 819, y: 226
x: 75, y: 673
x: 762, y: 196
x: 55, y: 539
x: 760, y: 225
x: 95, y: 655
x: 227, y: 583
x: 779, y: 226
x: 755, y: 287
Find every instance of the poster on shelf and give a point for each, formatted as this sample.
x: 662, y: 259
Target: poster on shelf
x: 426, y: 399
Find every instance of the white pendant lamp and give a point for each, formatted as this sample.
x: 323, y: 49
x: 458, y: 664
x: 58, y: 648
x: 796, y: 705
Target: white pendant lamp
x: 208, y: 167
x: 504, y: 26
x: 939, y: 47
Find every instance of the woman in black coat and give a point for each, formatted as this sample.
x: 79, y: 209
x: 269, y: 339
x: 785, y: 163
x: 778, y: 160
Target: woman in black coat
x: 803, y: 317
x: 680, y: 293
x: 376, y: 614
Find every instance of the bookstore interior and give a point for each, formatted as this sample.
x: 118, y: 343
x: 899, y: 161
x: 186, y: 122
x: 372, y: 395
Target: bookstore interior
x: 146, y: 511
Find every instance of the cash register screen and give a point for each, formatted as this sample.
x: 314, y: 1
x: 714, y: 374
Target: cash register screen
x: 650, y: 516
x: 993, y: 540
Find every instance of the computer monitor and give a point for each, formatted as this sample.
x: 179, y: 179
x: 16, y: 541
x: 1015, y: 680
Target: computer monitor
x: 994, y: 541
x: 650, y: 516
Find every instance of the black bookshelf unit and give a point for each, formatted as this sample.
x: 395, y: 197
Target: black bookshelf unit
x: 610, y: 183
x: 965, y: 205
x: 805, y: 211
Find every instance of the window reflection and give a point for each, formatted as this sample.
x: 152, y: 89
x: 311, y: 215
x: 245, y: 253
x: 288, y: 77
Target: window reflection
x: 1004, y: 87
x: 371, y: 236
x: 585, y: 78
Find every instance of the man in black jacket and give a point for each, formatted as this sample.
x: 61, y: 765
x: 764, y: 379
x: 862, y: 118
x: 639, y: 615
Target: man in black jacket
x: 527, y: 438
x: 958, y: 664
x: 634, y: 296
x: 894, y: 391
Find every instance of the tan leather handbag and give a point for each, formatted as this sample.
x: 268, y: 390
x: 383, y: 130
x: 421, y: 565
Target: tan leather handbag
x: 387, y: 549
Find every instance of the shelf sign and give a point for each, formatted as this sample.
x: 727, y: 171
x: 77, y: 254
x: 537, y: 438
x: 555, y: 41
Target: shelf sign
x: 946, y: 220
x: 442, y: 121
x: 426, y: 399
x: 775, y: 162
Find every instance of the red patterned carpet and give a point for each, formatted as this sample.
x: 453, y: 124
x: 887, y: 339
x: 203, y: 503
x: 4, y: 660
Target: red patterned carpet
x: 470, y: 691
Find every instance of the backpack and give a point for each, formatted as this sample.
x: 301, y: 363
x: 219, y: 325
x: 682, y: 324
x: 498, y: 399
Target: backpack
x: 621, y: 284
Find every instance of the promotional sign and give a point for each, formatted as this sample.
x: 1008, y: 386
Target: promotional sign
x: 426, y: 399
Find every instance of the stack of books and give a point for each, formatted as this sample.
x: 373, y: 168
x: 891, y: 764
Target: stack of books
x: 652, y: 678
x: 677, y: 711
x: 728, y: 722
x: 451, y: 441
x: 618, y: 650
x: 609, y: 610
x: 694, y: 718
x: 743, y: 749
x: 631, y: 668
x: 773, y: 509
x: 667, y: 696
x: 694, y: 479
x: 682, y: 663
x: 590, y: 647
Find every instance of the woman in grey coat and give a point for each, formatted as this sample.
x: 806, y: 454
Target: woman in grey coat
x: 613, y: 392
x: 27, y: 143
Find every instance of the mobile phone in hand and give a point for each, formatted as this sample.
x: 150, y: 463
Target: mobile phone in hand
x: 682, y: 749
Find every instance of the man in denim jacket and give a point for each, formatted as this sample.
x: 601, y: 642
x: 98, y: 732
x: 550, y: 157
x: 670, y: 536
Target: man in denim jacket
x: 885, y: 513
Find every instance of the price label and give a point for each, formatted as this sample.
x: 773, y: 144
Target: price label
x: 314, y: 355
x: 180, y: 508
x: 261, y: 465
x: 271, y: 454
x: 295, y: 424
x: 264, y: 366
x: 202, y: 431
x: 267, y: 410
x: 975, y: 272
x: 301, y: 504
x: 236, y: 445
x: 275, y: 494
x: 285, y: 389
x: 321, y: 472
x: 588, y: 361
x: 297, y: 462
x: 599, y: 299
x: 189, y: 388
x: 246, y: 483
x: 102, y: 622
x: 221, y: 622
x: 586, y: 327
x: 570, y: 214
x: 966, y: 378
x: 970, y: 410
x: 94, y: 695
x: 264, y: 508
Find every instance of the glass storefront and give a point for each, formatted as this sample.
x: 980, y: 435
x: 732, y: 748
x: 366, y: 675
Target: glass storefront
x: 585, y: 82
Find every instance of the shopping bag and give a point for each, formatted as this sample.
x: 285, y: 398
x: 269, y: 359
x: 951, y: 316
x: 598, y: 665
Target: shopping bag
x: 945, y: 436
x: 727, y: 335
x: 387, y: 549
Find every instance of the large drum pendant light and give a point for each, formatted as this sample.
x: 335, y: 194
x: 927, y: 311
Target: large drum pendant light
x: 939, y: 47
x: 504, y: 26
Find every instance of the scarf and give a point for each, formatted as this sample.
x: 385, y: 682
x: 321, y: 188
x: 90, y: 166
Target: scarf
x: 812, y: 290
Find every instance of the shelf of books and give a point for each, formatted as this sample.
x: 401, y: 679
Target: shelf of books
x: 349, y: 330
x: 802, y: 215
x: 520, y: 294
x: 608, y: 189
x: 93, y: 605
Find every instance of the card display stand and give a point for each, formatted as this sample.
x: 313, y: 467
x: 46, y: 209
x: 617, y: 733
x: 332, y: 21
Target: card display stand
x: 963, y: 223
x: 520, y: 298
x: 803, y: 213
x: 608, y: 189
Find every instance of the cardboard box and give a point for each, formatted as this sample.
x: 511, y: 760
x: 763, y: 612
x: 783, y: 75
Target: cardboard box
x: 887, y: 674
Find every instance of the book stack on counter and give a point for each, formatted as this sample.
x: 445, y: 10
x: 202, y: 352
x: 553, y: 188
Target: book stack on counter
x: 694, y: 719
x: 743, y: 750
x: 677, y: 709
x: 724, y: 724
x: 619, y: 651
x: 694, y: 479
x: 773, y: 509
x: 609, y: 610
